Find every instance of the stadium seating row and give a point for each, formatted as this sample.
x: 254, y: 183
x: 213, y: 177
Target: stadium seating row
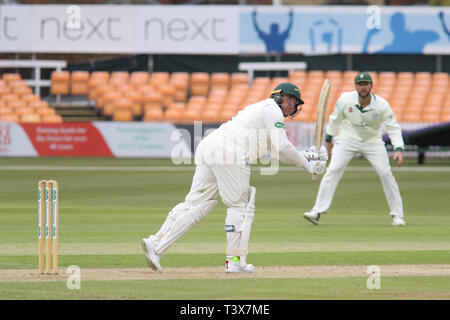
x: 19, y: 104
x: 183, y: 97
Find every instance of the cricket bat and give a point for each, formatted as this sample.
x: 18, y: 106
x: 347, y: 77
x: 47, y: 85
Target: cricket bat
x: 321, y: 114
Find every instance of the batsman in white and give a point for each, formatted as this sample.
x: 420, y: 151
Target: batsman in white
x: 355, y: 125
x: 223, y: 161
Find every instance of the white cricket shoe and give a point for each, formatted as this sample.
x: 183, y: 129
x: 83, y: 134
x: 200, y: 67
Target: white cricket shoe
x: 152, y: 258
x: 312, y: 216
x: 398, y: 221
x: 235, y: 267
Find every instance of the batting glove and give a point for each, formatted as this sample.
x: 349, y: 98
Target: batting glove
x: 323, y: 153
x: 312, y: 153
x: 316, y: 166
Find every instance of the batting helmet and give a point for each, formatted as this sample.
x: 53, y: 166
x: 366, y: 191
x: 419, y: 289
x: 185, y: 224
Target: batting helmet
x: 286, y: 88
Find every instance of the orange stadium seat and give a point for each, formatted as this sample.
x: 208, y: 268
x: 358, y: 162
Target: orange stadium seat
x: 51, y: 118
x: 17, y: 104
x: 209, y: 116
x: 191, y: 115
x: 349, y: 75
x: 213, y: 107
x: 125, y: 88
x: 158, y: 79
x: 168, y: 94
x: 45, y: 111
x: 411, y: 117
x: 9, y: 117
x: 118, y: 82
x: 4, y: 89
x: 445, y: 116
x: 122, y: 75
x: 21, y: 89
x: 30, y: 118
x: 230, y: 106
x: 122, y: 115
x: 385, y: 77
x: 6, y: 110
x: 109, y: 99
x: 180, y: 106
x: 172, y: 115
x: 136, y: 100
x: 94, y: 85
x: 123, y: 103
x: 31, y: 98
x: 100, y: 75
x: 10, y: 97
x: 79, y: 82
x: 154, y: 114
x: 152, y: 99
x: 432, y: 117
x: 315, y: 75
x: 199, y: 83
x: 238, y: 78
x: 11, y: 77
x: 181, y: 89
x: 374, y: 76
x: 226, y: 115
x: 261, y: 82
x: 196, y: 102
x: 295, y: 74
x: 60, y: 82
x: 97, y: 79
x: 220, y: 80
x: 139, y: 78
x: 100, y: 93
x: 23, y: 110
x: 276, y: 81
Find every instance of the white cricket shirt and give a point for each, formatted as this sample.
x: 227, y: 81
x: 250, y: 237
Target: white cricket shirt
x: 349, y: 122
x: 252, y: 132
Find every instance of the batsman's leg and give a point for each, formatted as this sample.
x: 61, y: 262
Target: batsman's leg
x: 238, y: 225
x: 185, y: 215
x: 234, y: 188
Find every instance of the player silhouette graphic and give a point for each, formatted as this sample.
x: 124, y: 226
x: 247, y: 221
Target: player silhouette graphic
x: 444, y: 25
x: 274, y: 40
x: 404, y: 39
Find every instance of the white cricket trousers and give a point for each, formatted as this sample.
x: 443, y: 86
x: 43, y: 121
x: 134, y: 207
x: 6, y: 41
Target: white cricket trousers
x: 232, y: 182
x: 343, y: 152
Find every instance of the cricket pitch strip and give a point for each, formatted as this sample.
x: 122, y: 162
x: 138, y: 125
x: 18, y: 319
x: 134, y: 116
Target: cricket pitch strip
x: 107, y: 274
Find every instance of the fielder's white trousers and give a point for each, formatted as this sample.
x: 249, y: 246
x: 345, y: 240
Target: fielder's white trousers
x: 343, y: 152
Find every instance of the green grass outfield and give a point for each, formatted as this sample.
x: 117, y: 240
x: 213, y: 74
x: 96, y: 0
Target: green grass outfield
x: 108, y: 205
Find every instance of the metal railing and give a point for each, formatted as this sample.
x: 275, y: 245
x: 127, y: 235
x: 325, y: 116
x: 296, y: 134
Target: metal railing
x: 36, y: 65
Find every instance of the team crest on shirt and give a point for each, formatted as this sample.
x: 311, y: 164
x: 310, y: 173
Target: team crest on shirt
x: 350, y: 109
x: 279, y: 125
x: 375, y: 116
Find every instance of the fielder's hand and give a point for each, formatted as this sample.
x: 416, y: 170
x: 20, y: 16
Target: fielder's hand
x: 316, y: 166
x: 399, y: 157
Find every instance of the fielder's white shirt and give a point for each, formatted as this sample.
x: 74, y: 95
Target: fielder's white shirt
x: 252, y: 132
x: 348, y: 122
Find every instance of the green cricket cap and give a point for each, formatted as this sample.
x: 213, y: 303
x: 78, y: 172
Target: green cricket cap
x: 363, y: 77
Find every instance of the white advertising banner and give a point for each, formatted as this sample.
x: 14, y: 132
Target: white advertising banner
x: 14, y: 141
x: 187, y: 29
x: 15, y: 27
x: 86, y: 28
x: 134, y: 139
x: 120, y: 29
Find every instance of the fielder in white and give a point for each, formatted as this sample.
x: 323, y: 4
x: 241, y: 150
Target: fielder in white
x: 223, y: 161
x: 356, y: 126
